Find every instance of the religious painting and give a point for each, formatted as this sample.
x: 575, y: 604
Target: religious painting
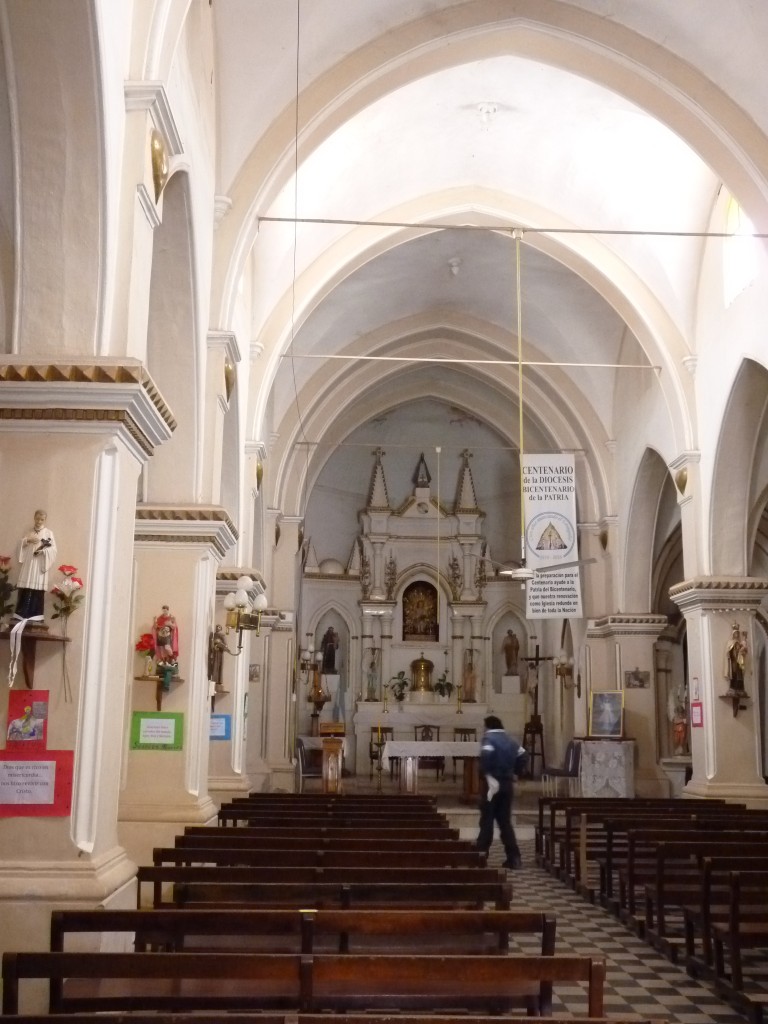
x: 606, y: 714
x: 420, y: 613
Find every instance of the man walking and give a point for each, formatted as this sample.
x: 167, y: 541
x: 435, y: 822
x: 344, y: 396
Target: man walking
x: 501, y: 758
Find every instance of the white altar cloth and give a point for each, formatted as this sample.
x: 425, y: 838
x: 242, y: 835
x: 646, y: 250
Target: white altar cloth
x: 417, y: 748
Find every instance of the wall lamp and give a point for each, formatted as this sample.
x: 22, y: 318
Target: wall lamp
x: 564, y: 672
x: 244, y: 609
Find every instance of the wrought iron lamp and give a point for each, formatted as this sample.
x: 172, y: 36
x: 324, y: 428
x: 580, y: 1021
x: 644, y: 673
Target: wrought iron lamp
x: 244, y: 609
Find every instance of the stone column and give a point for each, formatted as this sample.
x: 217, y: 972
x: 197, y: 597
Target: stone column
x: 76, y: 448
x: 725, y: 750
x: 619, y: 644
x: 377, y: 590
x: 387, y: 620
x: 177, y: 553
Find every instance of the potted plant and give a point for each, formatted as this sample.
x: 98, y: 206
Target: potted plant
x: 398, y: 685
x: 443, y: 686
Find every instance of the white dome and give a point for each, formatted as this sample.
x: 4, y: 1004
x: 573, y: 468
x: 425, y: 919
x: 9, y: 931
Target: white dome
x: 331, y: 567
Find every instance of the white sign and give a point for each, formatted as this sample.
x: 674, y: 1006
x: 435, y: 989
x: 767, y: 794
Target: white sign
x: 549, y: 496
x: 157, y: 730
x: 27, y: 782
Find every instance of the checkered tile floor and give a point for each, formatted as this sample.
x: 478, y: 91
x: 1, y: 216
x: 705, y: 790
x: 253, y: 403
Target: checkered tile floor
x: 640, y: 981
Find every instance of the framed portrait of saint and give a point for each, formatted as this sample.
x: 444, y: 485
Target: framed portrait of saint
x: 606, y: 714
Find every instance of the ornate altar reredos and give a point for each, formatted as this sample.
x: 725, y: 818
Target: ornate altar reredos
x: 419, y: 598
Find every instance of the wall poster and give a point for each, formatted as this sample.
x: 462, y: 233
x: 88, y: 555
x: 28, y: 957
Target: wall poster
x: 157, y: 730
x: 549, y: 499
x: 35, y: 783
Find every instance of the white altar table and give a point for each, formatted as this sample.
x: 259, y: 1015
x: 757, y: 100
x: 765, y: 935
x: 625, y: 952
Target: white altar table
x: 409, y: 752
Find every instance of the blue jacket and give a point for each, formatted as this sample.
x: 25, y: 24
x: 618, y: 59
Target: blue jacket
x: 501, y: 756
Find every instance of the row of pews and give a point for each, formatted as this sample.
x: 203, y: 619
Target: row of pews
x: 690, y: 876
x: 296, y: 906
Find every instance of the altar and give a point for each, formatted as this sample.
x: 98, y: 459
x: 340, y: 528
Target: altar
x: 405, y: 716
x: 607, y: 768
x: 408, y: 753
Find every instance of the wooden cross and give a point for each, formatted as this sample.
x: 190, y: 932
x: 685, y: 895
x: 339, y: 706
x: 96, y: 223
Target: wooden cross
x: 534, y: 663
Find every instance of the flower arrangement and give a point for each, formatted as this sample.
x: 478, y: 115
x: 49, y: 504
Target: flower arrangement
x: 68, y: 594
x: 6, y: 588
x: 146, y: 645
x: 443, y: 686
x: 398, y: 685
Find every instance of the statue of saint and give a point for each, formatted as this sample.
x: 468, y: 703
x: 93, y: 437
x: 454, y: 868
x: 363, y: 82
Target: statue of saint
x: 329, y: 645
x: 217, y: 648
x: 511, y: 648
x: 736, y: 658
x: 37, y: 553
x: 166, y: 637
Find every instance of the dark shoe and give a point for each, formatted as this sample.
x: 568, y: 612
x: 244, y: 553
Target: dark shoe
x: 513, y: 865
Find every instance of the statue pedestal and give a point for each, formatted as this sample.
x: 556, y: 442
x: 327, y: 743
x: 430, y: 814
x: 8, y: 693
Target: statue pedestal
x: 511, y: 685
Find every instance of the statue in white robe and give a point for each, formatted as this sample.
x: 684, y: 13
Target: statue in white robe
x: 37, y: 553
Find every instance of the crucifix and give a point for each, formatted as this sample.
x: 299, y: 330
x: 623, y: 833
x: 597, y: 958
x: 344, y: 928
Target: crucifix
x: 534, y: 730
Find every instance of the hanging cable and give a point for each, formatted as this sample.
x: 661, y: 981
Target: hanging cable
x: 518, y: 235
x: 437, y: 568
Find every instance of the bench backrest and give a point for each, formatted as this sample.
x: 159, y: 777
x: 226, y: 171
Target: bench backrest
x: 325, y: 894
x: 146, y: 981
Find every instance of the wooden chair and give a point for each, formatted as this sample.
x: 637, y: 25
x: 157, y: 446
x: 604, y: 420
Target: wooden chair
x: 430, y: 734
x: 462, y: 735
x: 307, y: 770
x: 387, y: 733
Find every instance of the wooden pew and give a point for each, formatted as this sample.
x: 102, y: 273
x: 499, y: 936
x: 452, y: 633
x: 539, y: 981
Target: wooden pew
x: 184, y: 875
x: 336, y: 982
x: 711, y: 902
x: 553, y: 818
x: 309, y: 1018
x: 335, y: 894
x: 601, y: 839
x: 646, y: 834
x: 339, y: 810
x: 265, y: 839
x: 308, y: 931
x: 678, y: 880
x: 745, y: 928
x: 280, y: 826
x: 444, y: 856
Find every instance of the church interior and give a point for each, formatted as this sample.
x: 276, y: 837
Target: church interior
x: 368, y: 370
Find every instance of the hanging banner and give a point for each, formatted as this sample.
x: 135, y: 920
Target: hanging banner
x: 549, y: 496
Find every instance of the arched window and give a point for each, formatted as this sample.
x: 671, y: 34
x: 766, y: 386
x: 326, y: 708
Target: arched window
x: 740, y: 252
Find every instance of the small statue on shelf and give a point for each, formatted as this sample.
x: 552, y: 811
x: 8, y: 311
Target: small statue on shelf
x: 166, y: 646
x: 37, y: 553
x: 217, y: 648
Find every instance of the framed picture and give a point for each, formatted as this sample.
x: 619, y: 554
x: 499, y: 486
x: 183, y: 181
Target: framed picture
x: 606, y: 714
x: 636, y: 679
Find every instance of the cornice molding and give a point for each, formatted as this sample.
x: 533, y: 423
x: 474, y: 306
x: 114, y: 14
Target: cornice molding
x: 207, y: 525
x: 720, y: 593
x: 152, y: 97
x: 117, y: 391
x: 226, y: 340
x: 620, y: 624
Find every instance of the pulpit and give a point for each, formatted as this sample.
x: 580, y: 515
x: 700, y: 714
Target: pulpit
x: 332, y: 763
